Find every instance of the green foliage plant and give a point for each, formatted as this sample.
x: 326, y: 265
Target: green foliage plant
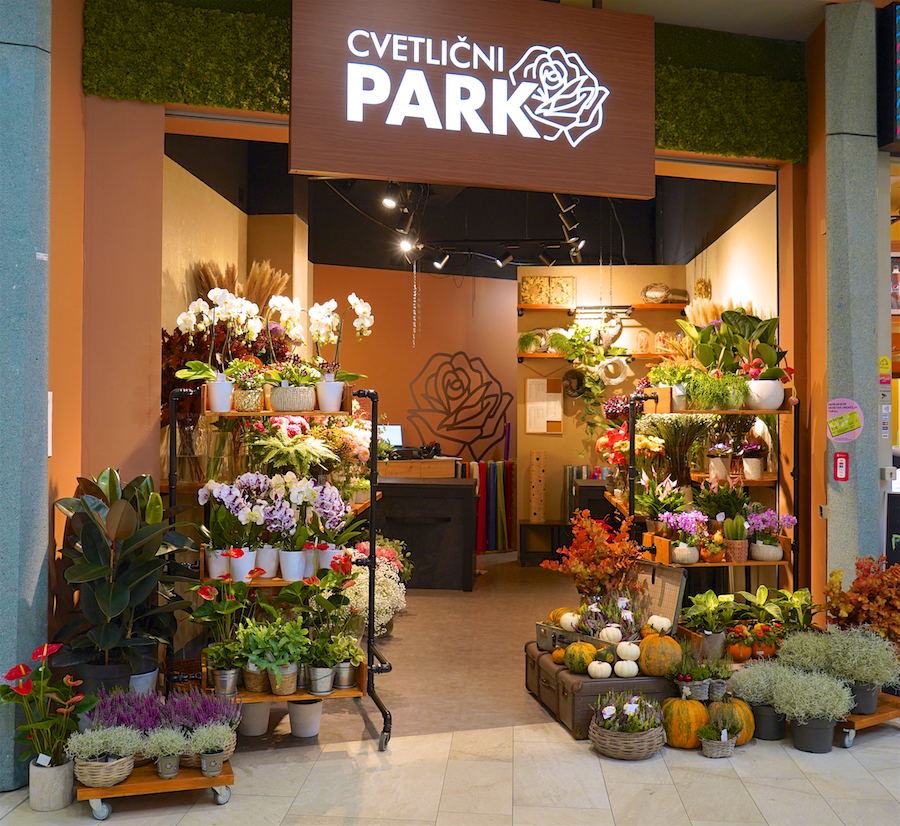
x: 680, y: 433
x: 708, y: 392
x: 723, y: 718
x: 98, y: 744
x: 669, y: 373
x: 802, y: 696
x: 659, y: 498
x: 709, y: 612
x: 210, y: 739
x: 164, y: 742
x: 761, y: 606
x: 346, y: 649
x: 755, y: 682
x: 797, y: 608
x: 713, y: 498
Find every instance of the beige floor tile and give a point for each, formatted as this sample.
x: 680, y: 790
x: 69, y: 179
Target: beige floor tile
x: 471, y: 819
x: 9, y: 800
x: 790, y: 801
x: 487, y: 744
x: 653, y: 771
x: 881, y: 755
x: 838, y: 774
x: 762, y: 758
x: 320, y: 820
x: 363, y: 789
x: 557, y: 774
x: 693, y: 759
x: 890, y: 779
x: 478, y: 786
x: 646, y: 804
x: 714, y: 795
x: 866, y: 812
x: 241, y: 810
x: 400, y: 750
x: 153, y: 810
x: 560, y: 816
x: 542, y: 733
x: 275, y: 772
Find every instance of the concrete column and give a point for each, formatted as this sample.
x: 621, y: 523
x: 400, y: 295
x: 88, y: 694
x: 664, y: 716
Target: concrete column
x: 24, y: 159
x: 858, y: 281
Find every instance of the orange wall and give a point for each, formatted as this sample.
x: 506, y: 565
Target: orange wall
x: 475, y: 316
x: 817, y: 302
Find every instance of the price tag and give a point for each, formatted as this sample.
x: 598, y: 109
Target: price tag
x: 724, y: 735
x: 43, y: 760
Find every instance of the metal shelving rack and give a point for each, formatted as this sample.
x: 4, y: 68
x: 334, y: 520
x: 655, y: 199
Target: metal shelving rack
x: 375, y: 661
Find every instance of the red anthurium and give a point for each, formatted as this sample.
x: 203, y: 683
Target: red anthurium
x: 225, y: 577
x: 309, y: 546
x: 342, y: 564
x: 17, y: 672
x: 234, y: 553
x: 322, y: 546
x: 255, y: 572
x: 64, y: 710
x: 68, y: 679
x: 312, y: 580
x: 347, y: 583
x: 229, y: 598
x: 46, y: 650
x: 207, y: 592
x: 76, y: 699
x: 23, y: 688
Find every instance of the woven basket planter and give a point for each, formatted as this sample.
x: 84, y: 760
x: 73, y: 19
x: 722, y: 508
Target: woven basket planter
x: 293, y: 399
x: 717, y: 748
x: 99, y: 775
x: 256, y: 681
x: 192, y: 761
x: 717, y: 689
x: 696, y: 689
x: 288, y: 683
x: 626, y: 745
x: 736, y: 550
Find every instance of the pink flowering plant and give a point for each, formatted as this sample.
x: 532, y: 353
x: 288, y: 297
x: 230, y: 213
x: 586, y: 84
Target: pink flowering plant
x: 690, y: 525
x: 393, y: 551
x: 627, y: 712
x: 765, y: 526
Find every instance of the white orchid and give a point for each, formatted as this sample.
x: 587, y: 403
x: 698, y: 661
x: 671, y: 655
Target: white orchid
x: 219, y: 296
x: 185, y: 323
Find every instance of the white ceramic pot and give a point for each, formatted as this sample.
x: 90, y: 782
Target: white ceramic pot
x: 754, y: 468
x: 765, y: 395
x: 324, y: 557
x: 267, y: 559
x: 679, y: 399
x: 763, y: 552
x: 241, y: 567
x: 254, y: 719
x: 295, y: 565
x: 218, y: 395
x: 216, y: 564
x: 720, y: 467
x: 684, y: 554
x: 330, y: 395
x: 144, y: 683
x: 306, y: 717
x: 51, y: 788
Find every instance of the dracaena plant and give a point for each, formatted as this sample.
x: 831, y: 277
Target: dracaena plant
x: 118, y: 540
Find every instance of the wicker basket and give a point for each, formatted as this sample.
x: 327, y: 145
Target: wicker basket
x: 99, y: 775
x: 717, y: 689
x: 736, y: 550
x: 248, y: 401
x: 717, y: 748
x: 695, y: 689
x: 288, y: 683
x: 293, y: 399
x: 766, y: 553
x: 256, y: 681
x: 192, y: 761
x: 684, y: 554
x: 626, y: 745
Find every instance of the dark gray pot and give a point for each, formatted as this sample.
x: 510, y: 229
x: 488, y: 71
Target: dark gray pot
x: 865, y: 696
x: 815, y: 736
x: 769, y: 723
x: 103, y: 676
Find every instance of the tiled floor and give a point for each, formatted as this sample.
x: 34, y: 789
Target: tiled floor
x: 470, y: 746
x: 533, y: 775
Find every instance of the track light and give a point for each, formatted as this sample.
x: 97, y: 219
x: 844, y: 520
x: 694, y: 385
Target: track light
x: 404, y: 225
x: 391, y: 197
x: 504, y: 260
x: 569, y: 222
x: 575, y: 255
x: 414, y: 253
x: 566, y: 203
x: 406, y: 245
x: 546, y: 260
x: 441, y: 262
x: 571, y: 238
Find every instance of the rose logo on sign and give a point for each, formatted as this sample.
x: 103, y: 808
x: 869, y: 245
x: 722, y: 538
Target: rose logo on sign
x: 568, y: 99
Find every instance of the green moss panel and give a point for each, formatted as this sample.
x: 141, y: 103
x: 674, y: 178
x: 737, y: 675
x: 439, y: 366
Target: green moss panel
x: 715, y: 93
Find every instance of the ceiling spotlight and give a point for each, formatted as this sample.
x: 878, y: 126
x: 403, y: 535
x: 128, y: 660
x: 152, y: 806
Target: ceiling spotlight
x: 569, y: 222
x: 575, y: 255
x: 414, y: 253
x: 406, y: 245
x: 440, y: 263
x: 566, y: 203
x: 546, y: 260
x: 404, y: 225
x: 391, y: 197
x: 571, y: 237
x: 504, y: 260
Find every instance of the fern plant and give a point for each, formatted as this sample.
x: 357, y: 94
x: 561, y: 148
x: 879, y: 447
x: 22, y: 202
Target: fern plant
x: 305, y: 456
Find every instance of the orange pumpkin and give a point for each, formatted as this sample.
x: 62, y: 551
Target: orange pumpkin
x: 739, y: 653
x: 681, y: 720
x: 743, y: 713
x: 558, y: 655
x: 659, y: 655
x: 557, y: 613
x: 647, y: 630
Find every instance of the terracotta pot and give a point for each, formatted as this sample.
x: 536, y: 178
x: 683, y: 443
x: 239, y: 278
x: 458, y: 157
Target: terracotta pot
x: 761, y: 651
x: 708, y: 555
x: 739, y: 653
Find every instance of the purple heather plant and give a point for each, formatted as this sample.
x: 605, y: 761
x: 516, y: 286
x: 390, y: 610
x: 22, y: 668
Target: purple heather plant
x: 184, y: 710
x: 143, y: 712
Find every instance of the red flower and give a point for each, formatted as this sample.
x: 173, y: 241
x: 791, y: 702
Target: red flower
x: 68, y: 679
x: 46, y: 650
x: 234, y: 553
x: 312, y: 580
x: 347, y: 583
x: 17, y: 672
x: 23, y: 688
x: 255, y: 572
x: 322, y: 547
x: 258, y: 426
x: 342, y: 564
x: 309, y: 546
x: 225, y: 577
x: 76, y: 699
x: 207, y: 592
x: 229, y: 598
x: 64, y: 709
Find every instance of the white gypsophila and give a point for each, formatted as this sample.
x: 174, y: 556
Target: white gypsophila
x: 390, y: 593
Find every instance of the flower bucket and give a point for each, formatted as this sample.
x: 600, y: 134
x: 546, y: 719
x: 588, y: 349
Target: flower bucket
x: 225, y: 681
x: 765, y: 394
x: 344, y: 675
x: 51, y: 788
x: 216, y: 564
x: 295, y: 565
x: 211, y: 764
x: 321, y: 681
x: 167, y: 767
x: 293, y: 399
x: 144, y: 683
x: 754, y: 469
x: 218, y: 396
x: 241, y: 566
x: 254, y: 719
x: 325, y: 557
x: 330, y: 395
x: 267, y: 559
x: 769, y: 724
x: 814, y: 736
x: 306, y: 717
x: 720, y: 467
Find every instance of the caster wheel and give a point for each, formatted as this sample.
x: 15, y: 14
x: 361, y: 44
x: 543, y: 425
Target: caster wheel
x: 222, y: 797
x: 101, y: 812
x: 384, y: 740
x: 847, y: 736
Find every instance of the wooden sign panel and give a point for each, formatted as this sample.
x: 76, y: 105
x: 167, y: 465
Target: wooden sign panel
x: 511, y: 94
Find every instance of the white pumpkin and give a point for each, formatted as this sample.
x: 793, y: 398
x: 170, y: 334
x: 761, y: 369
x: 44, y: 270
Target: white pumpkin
x: 569, y: 621
x: 626, y: 668
x: 612, y: 633
x: 599, y: 671
x: 662, y: 625
x: 628, y: 651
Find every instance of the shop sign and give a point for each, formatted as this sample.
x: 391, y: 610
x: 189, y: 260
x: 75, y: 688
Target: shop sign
x: 516, y: 94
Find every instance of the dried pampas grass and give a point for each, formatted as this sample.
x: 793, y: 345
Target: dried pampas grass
x: 262, y: 282
x: 703, y: 311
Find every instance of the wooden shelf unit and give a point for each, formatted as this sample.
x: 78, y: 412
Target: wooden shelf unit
x: 769, y: 480
x: 569, y: 309
x: 660, y: 306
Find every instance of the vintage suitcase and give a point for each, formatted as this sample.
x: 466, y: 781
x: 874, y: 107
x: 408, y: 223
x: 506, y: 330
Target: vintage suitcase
x: 548, y: 682
x: 577, y: 696
x: 533, y: 655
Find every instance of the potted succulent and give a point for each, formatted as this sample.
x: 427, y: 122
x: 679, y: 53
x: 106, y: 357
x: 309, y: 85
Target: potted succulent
x: 812, y: 703
x: 718, y: 736
x: 348, y: 656
x: 51, y: 710
x: 753, y: 456
x: 118, y: 539
x: 657, y: 499
x: 165, y: 746
x: 737, y: 545
x: 755, y: 685
x: 764, y: 527
x: 210, y: 742
x: 104, y: 756
x: 293, y: 385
